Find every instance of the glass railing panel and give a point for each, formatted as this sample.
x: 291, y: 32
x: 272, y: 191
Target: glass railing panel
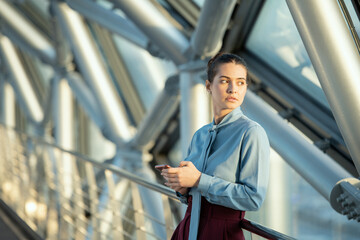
x: 64, y: 195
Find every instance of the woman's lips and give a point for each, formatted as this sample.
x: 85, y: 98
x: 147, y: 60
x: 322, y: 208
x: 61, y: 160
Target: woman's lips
x: 231, y: 99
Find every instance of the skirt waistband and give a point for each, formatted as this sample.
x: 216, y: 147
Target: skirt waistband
x: 209, y: 210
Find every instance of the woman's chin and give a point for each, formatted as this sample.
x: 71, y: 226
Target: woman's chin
x: 232, y: 105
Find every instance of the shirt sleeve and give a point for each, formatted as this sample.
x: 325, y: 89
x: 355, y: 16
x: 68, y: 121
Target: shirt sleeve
x: 181, y: 197
x: 249, y: 193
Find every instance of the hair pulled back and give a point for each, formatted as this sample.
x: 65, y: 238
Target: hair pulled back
x: 222, y: 58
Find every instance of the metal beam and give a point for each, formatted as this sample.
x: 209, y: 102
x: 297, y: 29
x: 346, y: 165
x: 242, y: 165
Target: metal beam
x: 209, y: 32
x: 93, y: 69
x: 21, y: 83
x: 311, y: 163
x: 159, y: 115
x: 120, y: 72
x: 64, y: 56
x: 110, y: 20
x: 156, y: 27
x: 187, y: 9
x: 336, y: 61
x: 25, y: 34
x: 38, y: 15
x: 85, y: 97
x: 31, y: 66
x: 245, y: 17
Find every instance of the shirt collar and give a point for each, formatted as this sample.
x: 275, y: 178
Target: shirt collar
x: 229, y: 118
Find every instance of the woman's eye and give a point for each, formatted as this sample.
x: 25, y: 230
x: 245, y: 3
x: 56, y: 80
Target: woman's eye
x: 223, y: 81
x: 241, y: 83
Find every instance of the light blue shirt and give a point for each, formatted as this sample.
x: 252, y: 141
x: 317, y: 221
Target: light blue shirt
x: 233, y: 157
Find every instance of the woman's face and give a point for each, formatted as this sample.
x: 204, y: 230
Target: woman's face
x: 228, y: 87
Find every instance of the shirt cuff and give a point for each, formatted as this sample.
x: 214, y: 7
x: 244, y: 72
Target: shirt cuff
x: 204, y: 183
x: 182, y: 198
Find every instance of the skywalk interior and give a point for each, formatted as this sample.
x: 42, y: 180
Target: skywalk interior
x: 95, y: 93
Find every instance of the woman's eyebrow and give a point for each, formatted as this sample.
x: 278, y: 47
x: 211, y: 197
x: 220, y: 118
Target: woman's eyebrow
x: 222, y: 76
x: 240, y: 78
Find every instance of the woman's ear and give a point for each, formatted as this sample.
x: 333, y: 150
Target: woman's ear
x: 207, y: 85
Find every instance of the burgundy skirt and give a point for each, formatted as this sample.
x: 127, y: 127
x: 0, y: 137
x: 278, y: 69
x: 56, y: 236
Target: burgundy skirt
x: 216, y: 222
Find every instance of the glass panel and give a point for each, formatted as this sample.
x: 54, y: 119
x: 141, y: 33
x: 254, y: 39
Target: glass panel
x: 200, y: 3
x: 354, y: 18
x: 276, y: 41
x: 42, y: 5
x: 149, y: 73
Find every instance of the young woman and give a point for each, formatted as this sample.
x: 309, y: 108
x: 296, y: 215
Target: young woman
x: 227, y: 167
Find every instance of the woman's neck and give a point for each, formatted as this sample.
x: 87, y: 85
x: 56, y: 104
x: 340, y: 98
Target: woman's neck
x: 219, y: 115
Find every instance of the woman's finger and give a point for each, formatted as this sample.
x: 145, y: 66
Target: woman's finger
x: 184, y: 163
x: 169, y: 175
x: 170, y: 170
x: 173, y: 180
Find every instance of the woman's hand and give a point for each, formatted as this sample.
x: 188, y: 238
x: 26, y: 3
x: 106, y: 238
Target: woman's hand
x: 182, y: 190
x: 184, y: 176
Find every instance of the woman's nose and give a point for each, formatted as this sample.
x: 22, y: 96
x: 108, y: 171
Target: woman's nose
x: 231, y: 88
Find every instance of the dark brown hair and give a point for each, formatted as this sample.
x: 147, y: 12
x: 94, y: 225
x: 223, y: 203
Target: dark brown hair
x: 222, y: 58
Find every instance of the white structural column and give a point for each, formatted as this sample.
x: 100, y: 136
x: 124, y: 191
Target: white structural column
x: 156, y: 27
x: 279, y: 214
x: 94, y: 72
x: 209, y: 33
x: 194, y: 107
x: 20, y: 81
x: 7, y: 104
x: 63, y: 114
x: 336, y: 61
x: 25, y: 34
x: 64, y: 129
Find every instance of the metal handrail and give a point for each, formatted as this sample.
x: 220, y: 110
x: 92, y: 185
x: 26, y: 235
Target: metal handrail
x: 18, y: 226
x: 169, y: 193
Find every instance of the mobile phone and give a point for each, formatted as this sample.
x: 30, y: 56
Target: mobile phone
x: 161, y: 167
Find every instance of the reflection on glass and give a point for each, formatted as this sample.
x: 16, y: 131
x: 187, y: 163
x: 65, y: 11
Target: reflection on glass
x: 200, y: 3
x: 42, y: 5
x: 275, y: 40
x: 354, y: 18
